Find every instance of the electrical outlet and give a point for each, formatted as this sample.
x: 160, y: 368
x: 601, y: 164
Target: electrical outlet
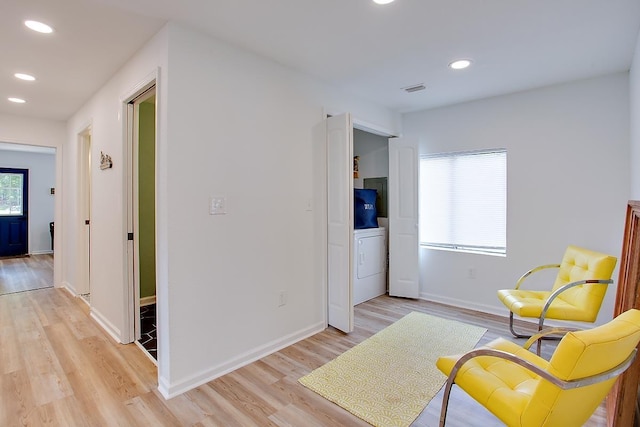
x: 282, y: 298
x: 472, y: 273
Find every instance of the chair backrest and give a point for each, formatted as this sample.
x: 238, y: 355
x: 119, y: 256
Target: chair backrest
x: 578, y: 355
x: 583, y: 264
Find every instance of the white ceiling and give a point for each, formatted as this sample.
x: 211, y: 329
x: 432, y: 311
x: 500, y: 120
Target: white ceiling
x: 90, y: 43
x: 366, y: 49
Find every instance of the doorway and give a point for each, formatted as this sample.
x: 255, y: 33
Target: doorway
x: 32, y: 224
x: 14, y: 211
x: 334, y: 171
x: 142, y: 218
x: 84, y: 215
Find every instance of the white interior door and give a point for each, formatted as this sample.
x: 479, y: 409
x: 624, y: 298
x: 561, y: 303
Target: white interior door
x: 403, y: 219
x: 340, y: 221
x: 133, y: 297
x: 132, y: 332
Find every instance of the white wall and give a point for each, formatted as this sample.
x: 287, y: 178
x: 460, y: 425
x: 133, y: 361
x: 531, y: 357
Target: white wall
x: 229, y: 123
x: 374, y: 156
x: 43, y: 133
x: 568, y: 181
x: 240, y: 126
x: 634, y: 90
x: 42, y: 177
x: 104, y: 114
x: 23, y: 130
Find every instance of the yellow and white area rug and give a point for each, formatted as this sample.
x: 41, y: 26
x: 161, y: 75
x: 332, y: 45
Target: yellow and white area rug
x: 388, y: 379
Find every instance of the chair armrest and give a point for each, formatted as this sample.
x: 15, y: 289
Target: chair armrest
x: 560, y: 290
x: 544, y: 333
x: 563, y: 384
x: 534, y: 270
x: 507, y: 356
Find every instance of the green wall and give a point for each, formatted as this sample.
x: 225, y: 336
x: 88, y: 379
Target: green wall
x: 146, y: 198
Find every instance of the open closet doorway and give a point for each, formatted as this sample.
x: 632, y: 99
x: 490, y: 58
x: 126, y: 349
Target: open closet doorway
x: 141, y: 116
x: 84, y: 215
x: 350, y: 262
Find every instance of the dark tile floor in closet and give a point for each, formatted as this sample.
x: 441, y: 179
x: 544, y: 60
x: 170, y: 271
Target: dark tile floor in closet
x: 148, y: 329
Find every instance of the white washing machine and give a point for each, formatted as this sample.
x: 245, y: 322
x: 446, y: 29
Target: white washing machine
x: 369, y: 263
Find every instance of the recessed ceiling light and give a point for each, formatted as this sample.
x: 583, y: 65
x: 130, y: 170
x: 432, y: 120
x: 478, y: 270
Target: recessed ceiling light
x: 382, y: 1
x: 39, y: 27
x: 17, y: 100
x: 23, y: 76
x: 460, y: 64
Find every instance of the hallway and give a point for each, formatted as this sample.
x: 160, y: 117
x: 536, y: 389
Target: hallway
x: 26, y: 273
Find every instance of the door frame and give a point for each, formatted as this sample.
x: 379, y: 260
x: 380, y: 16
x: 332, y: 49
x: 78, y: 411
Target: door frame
x: 131, y: 303
x: 58, y: 215
x: 83, y: 286
x: 320, y: 134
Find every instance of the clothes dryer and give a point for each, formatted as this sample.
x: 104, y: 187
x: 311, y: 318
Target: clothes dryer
x: 369, y: 264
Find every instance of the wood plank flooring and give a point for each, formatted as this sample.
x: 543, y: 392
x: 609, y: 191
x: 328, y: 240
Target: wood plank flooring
x: 58, y: 368
x: 26, y: 273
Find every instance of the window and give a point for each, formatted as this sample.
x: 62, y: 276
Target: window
x: 463, y: 201
x: 10, y: 194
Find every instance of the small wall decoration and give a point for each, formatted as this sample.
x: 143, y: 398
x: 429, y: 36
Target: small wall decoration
x: 105, y: 161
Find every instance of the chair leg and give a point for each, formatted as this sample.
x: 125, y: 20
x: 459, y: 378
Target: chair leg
x: 445, y: 400
x: 513, y: 332
x: 517, y: 335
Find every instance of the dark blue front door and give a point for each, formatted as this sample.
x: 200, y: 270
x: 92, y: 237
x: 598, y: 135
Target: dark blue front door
x: 14, y: 211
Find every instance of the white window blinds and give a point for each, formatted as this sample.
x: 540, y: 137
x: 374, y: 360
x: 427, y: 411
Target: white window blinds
x: 463, y: 201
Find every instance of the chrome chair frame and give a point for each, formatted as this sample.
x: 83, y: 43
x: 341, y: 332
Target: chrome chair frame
x: 564, y: 385
x: 549, y: 300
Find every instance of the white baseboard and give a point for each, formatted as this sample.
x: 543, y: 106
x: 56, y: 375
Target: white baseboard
x: 147, y: 300
x: 45, y: 252
x: 469, y: 305
x: 108, y: 327
x: 497, y: 311
x: 67, y: 286
x: 169, y: 390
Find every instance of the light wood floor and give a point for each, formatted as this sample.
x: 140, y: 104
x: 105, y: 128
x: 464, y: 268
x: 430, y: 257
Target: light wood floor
x: 58, y: 368
x: 26, y: 273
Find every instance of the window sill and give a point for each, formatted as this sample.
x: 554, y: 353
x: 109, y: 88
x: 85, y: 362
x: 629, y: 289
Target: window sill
x: 463, y: 250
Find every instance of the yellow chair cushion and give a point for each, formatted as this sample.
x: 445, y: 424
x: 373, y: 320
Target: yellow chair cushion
x: 530, y: 304
x: 503, y: 387
x: 581, y: 303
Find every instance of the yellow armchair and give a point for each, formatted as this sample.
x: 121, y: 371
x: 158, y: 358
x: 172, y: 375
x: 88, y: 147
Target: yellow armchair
x: 523, y: 389
x: 576, y: 295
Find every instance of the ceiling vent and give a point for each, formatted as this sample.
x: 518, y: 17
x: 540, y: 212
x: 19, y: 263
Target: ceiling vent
x: 414, y: 88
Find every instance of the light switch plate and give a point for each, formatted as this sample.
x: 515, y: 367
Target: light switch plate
x: 218, y: 205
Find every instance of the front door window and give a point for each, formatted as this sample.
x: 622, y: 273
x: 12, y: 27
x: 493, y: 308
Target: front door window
x: 11, y: 196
